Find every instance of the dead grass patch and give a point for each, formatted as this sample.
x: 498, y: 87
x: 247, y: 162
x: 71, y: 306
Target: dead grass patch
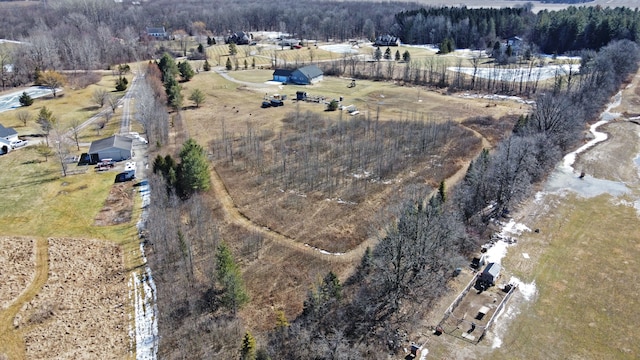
x: 118, y: 207
x: 17, y: 259
x: 82, y: 308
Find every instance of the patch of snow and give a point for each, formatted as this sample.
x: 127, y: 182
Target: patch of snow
x: 523, y: 74
x: 497, y: 97
x: 145, y: 301
x: 495, y: 253
x: 564, y: 176
x: 525, y: 255
x: 509, y: 311
x: 528, y: 290
x: 340, y: 48
x: 514, y: 228
x: 323, y: 251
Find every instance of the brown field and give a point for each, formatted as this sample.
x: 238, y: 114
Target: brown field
x: 17, y: 260
x: 82, y: 308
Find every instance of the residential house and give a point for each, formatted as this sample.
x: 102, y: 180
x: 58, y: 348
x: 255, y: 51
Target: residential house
x: 387, y: 40
x: 157, y: 32
x: 116, y: 147
x: 8, y: 136
x: 515, y: 43
x: 239, y: 38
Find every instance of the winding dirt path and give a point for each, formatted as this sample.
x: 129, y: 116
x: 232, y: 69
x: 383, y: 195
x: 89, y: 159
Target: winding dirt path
x: 11, y: 339
x: 233, y: 215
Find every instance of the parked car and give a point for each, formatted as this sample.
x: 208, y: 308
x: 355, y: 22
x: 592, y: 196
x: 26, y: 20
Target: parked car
x: 125, y: 176
x: 19, y: 144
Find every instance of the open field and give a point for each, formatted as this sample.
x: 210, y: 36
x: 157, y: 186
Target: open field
x: 583, y: 262
x: 313, y: 217
x: 82, y: 308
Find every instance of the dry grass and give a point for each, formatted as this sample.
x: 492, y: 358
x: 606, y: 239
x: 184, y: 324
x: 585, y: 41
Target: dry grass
x: 17, y: 259
x: 82, y: 308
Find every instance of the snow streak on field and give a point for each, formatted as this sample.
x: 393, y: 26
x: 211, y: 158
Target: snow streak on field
x: 146, y: 308
x: 146, y: 321
x: 520, y: 74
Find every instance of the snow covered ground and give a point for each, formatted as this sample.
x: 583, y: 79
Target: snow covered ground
x: 524, y: 74
x: 143, y: 287
x: 565, y: 177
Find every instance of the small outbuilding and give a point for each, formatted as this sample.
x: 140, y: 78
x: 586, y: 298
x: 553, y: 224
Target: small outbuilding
x: 490, y: 274
x: 116, y: 147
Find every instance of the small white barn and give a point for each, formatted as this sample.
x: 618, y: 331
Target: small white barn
x: 116, y: 147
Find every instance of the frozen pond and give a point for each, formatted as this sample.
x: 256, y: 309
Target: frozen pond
x: 524, y: 74
x: 11, y: 101
x: 341, y: 48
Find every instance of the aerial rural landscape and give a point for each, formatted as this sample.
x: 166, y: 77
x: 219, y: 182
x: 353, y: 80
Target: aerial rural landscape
x: 319, y: 179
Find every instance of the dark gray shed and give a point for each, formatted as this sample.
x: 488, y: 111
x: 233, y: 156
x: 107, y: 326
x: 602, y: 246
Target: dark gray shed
x: 490, y: 274
x: 116, y: 147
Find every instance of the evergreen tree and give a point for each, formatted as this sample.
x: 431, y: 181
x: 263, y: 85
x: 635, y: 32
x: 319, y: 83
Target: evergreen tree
x: 246, y: 64
x: 281, y: 320
x: 209, y: 41
x: 46, y: 120
x: 168, y: 67
x: 253, y: 63
x: 186, y: 71
x: 228, y: 65
x: 377, y: 55
x: 387, y: 54
x: 406, y: 56
x: 121, y: 83
x: 233, y: 49
x: 197, y: 96
x: 397, y: 56
x: 248, y: 351
x: 230, y: 280
x: 25, y: 99
x: 174, y: 92
x: 206, y: 66
x: 442, y: 193
x: 193, y: 172
x: 200, y: 49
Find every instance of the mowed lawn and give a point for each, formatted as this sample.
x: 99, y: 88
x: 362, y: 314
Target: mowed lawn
x: 587, y: 306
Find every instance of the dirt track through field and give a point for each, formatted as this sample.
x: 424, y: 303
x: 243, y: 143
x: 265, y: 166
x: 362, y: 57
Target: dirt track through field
x: 11, y: 339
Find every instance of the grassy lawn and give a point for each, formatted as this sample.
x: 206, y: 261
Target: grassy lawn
x: 587, y: 284
x: 70, y: 105
x: 40, y: 202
